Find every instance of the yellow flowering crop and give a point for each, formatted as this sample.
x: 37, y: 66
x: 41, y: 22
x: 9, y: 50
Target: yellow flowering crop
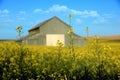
x: 41, y: 62
x: 70, y: 31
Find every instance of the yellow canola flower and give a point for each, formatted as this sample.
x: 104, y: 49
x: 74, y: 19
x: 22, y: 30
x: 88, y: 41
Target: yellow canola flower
x: 96, y: 37
x: 70, y: 31
x: 33, y: 57
x: 19, y: 27
x: 14, y: 71
x: 109, y: 47
x: 11, y: 59
x: 59, y: 43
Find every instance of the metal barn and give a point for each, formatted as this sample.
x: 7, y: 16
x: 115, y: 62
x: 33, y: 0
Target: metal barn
x: 50, y: 31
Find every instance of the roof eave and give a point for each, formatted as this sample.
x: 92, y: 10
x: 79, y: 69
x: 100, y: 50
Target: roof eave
x: 33, y: 29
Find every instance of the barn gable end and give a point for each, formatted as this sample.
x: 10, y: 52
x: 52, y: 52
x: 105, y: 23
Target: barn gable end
x: 34, y: 31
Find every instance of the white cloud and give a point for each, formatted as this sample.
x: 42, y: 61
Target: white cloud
x: 37, y: 11
x: 100, y: 20
x: 5, y: 11
x: 57, y: 8
x: 22, y: 12
x: 65, y: 9
x: 79, y: 21
x: 5, y: 18
x: 22, y: 15
x: 6, y: 22
x: 22, y: 18
x: 108, y: 15
x: 91, y: 13
x: 4, y: 15
x: 85, y: 13
x: 75, y: 12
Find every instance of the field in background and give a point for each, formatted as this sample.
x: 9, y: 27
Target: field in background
x: 98, y: 60
x: 115, y: 44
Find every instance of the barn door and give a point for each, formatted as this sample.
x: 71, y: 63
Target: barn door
x: 51, y: 39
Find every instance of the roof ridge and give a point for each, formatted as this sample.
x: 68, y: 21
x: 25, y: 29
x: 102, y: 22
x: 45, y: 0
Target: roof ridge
x: 41, y: 23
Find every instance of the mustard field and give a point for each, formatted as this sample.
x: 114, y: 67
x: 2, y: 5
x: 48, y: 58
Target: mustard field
x: 98, y: 60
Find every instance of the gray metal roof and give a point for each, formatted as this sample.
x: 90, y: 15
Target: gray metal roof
x: 41, y: 23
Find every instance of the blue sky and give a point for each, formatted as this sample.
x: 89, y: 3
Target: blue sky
x: 101, y: 16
